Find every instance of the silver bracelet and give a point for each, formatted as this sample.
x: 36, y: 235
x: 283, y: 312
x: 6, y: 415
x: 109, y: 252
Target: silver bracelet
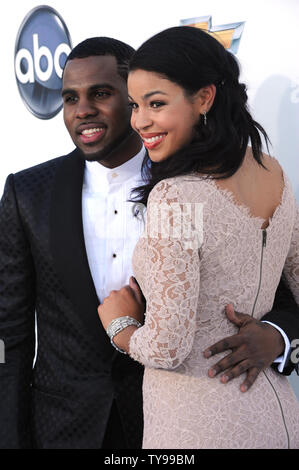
x: 119, y: 324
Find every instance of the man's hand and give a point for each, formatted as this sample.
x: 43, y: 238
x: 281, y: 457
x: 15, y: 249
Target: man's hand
x: 254, y: 348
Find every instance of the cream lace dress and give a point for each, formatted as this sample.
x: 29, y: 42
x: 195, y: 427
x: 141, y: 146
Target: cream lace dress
x: 199, y: 252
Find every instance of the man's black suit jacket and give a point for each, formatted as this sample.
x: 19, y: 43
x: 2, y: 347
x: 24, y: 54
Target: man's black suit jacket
x: 64, y: 401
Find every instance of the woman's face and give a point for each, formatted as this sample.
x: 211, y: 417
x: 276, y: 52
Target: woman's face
x: 162, y: 114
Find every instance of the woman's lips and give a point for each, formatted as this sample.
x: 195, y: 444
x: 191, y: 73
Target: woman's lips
x: 91, y: 135
x: 151, y: 141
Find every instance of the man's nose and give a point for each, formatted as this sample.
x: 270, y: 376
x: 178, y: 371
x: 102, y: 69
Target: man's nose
x: 85, y: 108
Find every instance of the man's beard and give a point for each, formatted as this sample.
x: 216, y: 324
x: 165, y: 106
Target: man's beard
x: 110, y: 149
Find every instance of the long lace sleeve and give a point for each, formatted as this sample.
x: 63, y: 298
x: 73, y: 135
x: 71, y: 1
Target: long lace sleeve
x: 291, y: 267
x: 170, y: 242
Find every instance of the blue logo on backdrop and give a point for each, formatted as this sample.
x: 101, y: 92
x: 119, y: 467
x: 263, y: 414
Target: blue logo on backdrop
x: 42, y: 46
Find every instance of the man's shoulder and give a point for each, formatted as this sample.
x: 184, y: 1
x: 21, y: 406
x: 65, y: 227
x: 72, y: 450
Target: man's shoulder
x: 43, y: 168
x: 37, y: 181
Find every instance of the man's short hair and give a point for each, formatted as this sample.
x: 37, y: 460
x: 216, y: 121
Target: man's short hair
x: 99, y: 46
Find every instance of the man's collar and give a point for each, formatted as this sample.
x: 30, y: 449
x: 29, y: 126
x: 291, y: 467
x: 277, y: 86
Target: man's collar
x: 97, y: 175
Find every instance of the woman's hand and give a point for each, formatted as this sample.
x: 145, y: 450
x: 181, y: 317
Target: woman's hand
x: 127, y: 301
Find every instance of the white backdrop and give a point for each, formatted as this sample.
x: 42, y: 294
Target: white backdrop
x: 268, y: 52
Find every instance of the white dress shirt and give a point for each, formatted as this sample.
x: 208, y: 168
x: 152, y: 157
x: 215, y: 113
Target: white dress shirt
x: 111, y: 230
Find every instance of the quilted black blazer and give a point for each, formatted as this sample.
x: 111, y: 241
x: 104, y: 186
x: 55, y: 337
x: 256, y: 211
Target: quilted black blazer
x: 63, y: 401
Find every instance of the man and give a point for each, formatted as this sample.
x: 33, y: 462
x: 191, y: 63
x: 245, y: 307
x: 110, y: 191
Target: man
x: 66, y: 239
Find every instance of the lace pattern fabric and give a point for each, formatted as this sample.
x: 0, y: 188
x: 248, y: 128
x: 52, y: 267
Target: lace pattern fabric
x: 200, y: 251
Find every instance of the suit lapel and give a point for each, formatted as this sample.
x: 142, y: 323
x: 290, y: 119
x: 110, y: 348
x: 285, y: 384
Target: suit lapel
x: 68, y: 247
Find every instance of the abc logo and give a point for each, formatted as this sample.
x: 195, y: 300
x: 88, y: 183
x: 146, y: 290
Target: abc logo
x: 34, y: 64
x: 42, y: 46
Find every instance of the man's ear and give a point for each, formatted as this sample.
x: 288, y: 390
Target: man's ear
x: 205, y: 98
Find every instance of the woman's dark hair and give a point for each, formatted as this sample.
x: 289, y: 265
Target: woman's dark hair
x: 193, y: 59
x: 99, y: 46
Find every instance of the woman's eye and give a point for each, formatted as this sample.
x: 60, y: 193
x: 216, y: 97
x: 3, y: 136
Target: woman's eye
x: 133, y: 105
x: 156, y: 104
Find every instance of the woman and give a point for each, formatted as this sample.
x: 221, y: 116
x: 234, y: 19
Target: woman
x: 222, y: 224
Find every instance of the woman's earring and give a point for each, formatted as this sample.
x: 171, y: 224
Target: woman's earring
x: 205, y: 118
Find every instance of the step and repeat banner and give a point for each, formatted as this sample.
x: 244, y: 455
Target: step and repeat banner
x: 36, y: 39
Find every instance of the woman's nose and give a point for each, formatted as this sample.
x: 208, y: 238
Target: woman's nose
x: 141, y: 120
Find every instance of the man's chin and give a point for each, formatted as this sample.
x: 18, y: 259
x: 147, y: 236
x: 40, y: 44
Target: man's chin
x: 92, y: 156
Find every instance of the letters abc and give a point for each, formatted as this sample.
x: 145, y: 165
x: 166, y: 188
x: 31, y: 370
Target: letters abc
x: 42, y: 45
x: 33, y: 64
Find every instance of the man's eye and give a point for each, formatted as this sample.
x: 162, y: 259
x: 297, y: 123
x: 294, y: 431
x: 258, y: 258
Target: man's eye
x: 102, y: 94
x: 70, y: 99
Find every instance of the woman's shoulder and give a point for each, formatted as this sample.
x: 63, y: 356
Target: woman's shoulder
x: 274, y: 177
x: 272, y: 164
x: 183, y: 188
